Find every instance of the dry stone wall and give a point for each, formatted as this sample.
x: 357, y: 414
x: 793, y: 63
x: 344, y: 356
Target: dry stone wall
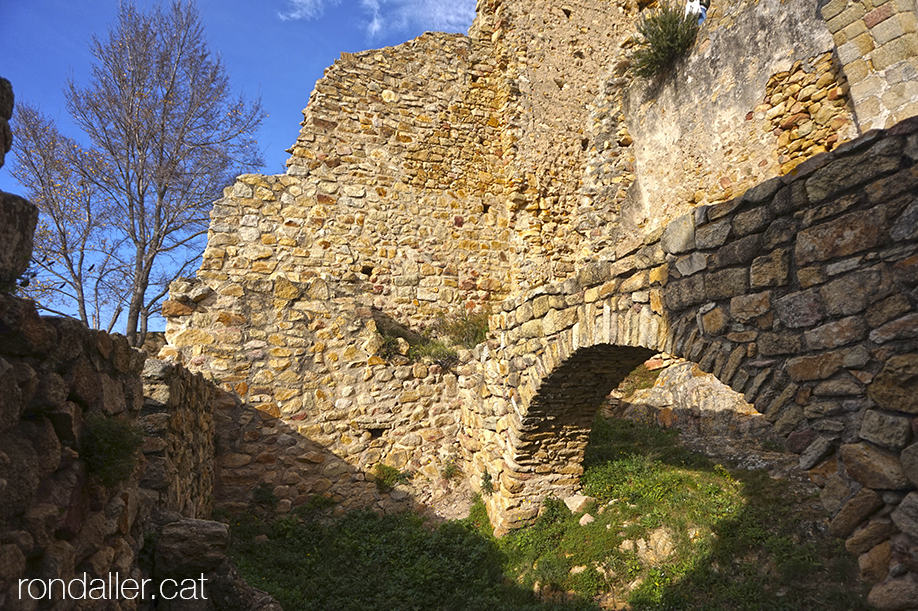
x: 56, y: 520
x: 177, y: 420
x: 74, y: 505
x: 801, y: 294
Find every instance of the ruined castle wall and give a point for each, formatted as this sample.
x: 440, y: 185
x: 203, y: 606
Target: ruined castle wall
x: 58, y: 519
x: 553, y: 58
x: 716, y: 126
x: 388, y: 208
x: 396, y: 185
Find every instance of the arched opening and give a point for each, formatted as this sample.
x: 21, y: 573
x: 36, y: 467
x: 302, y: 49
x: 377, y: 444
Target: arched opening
x: 555, y: 430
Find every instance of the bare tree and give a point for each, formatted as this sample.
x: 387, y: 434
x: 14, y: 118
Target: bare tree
x: 75, y: 261
x: 167, y: 135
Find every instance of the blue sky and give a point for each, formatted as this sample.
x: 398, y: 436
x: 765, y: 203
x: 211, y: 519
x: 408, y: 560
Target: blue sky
x: 273, y: 49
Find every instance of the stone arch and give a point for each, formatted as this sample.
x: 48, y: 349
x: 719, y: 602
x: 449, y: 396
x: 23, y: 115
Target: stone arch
x: 800, y: 294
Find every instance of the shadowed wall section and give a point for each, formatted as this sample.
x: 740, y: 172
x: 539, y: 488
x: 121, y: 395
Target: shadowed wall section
x: 548, y: 444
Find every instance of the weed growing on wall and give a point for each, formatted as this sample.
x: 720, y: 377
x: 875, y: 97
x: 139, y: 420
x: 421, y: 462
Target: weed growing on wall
x: 387, y: 477
x: 667, y: 34
x: 109, y: 448
x: 465, y: 329
x: 438, y: 344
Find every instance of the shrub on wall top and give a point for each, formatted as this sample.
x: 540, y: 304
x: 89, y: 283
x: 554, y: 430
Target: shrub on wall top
x: 667, y: 35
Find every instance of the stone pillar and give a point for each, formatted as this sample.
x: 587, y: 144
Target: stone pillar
x: 17, y: 216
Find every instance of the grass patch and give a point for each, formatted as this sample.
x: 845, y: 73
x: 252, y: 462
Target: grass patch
x: 465, y: 329
x: 109, y: 447
x: 370, y: 561
x: 736, y: 540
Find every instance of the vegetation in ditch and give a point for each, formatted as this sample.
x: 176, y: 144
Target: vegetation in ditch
x: 671, y: 530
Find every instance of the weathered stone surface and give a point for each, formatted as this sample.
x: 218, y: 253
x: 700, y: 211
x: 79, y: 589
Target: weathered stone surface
x: 691, y: 264
x: 885, y: 429
x: 874, y: 563
x: 894, y: 594
x: 846, y: 235
x: 679, y: 235
x: 869, y: 535
x: 712, y: 235
x: 746, y: 307
x: 873, y: 467
x: 725, y: 283
x: 852, y: 170
x: 906, y: 515
x: 896, y: 386
x: 17, y: 225
x: 815, y: 452
x: 769, y: 270
x: 189, y: 546
x: 859, y: 507
x: 816, y: 367
x: 801, y: 309
x: 578, y: 502
x: 853, y: 292
x: 909, y: 459
x: 905, y: 327
x: 835, y: 334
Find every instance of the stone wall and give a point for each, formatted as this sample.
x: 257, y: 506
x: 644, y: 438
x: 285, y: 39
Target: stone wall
x: 877, y: 45
x: 178, y: 423
x: 717, y: 126
x: 57, y: 520
x: 6, y: 113
x: 72, y: 503
x: 801, y: 294
x: 394, y: 184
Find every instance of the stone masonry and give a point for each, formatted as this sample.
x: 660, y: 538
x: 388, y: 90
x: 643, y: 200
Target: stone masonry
x: 800, y: 294
x: 722, y: 213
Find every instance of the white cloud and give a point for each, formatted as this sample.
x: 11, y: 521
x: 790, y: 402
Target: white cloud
x: 305, y: 9
x: 396, y: 15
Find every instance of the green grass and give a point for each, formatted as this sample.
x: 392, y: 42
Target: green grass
x: 639, y: 378
x: 737, y: 537
x: 438, y: 343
